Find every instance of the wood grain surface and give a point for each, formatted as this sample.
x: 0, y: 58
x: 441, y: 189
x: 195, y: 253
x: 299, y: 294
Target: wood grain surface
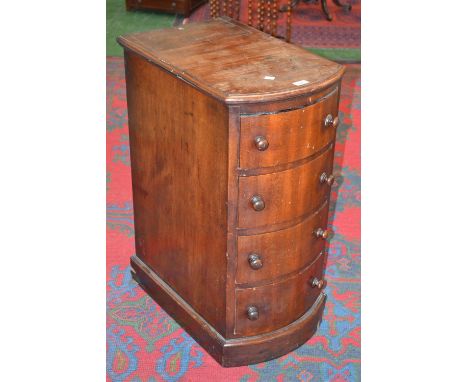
x: 198, y: 96
x: 278, y: 304
x: 235, y: 351
x: 291, y: 135
x: 178, y: 143
x: 282, y: 252
x: 233, y: 61
x: 287, y: 194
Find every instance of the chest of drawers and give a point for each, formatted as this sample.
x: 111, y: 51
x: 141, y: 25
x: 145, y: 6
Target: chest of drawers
x: 182, y: 7
x: 232, y: 140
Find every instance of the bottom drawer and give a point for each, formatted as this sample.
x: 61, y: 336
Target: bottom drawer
x: 162, y: 5
x: 271, y: 307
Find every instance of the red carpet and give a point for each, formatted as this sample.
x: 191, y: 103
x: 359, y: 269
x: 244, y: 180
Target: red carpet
x: 310, y: 28
x: 145, y: 345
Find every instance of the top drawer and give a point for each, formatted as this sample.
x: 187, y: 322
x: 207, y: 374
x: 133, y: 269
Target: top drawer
x: 270, y: 139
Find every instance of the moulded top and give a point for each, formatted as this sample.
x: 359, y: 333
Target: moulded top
x: 234, y: 62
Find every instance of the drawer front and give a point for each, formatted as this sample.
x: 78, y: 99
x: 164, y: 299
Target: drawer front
x: 271, y: 307
x: 267, y: 256
x: 283, y: 196
x: 289, y: 136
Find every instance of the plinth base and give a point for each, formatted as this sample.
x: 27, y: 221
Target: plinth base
x: 228, y: 352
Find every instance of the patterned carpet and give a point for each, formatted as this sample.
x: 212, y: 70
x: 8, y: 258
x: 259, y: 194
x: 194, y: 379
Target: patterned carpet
x: 145, y: 345
x: 309, y: 25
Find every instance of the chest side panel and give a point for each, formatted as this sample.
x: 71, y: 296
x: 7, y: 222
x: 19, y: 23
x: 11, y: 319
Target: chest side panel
x: 178, y: 141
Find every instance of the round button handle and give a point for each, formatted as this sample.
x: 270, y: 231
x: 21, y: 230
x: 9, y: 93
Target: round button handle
x: 331, y: 122
x: 321, y: 233
x: 252, y: 313
x: 255, y: 261
x: 328, y: 179
x: 257, y: 202
x: 315, y: 282
x: 261, y: 143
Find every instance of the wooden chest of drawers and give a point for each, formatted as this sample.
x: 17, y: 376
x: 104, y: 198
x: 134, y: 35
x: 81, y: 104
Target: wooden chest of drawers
x: 181, y: 7
x: 232, y: 140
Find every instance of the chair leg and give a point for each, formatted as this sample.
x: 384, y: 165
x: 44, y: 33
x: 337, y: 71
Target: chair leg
x: 326, y: 10
x: 346, y: 7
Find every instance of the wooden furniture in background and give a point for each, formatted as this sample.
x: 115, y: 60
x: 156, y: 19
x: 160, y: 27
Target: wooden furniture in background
x: 326, y: 11
x: 263, y: 14
x: 182, y: 7
x: 232, y: 136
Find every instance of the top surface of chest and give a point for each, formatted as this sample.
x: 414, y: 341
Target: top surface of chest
x: 234, y: 62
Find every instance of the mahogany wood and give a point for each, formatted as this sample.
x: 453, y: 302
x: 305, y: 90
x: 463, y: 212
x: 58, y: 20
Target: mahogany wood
x: 192, y: 96
x: 230, y: 61
x: 172, y: 167
x: 291, y: 135
x: 183, y: 7
x: 278, y: 303
x: 228, y: 352
x: 282, y: 252
x: 279, y: 193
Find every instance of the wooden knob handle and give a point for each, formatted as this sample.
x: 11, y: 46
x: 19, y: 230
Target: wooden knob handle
x: 257, y: 203
x: 255, y: 261
x: 321, y: 233
x: 261, y: 143
x: 328, y: 179
x: 331, y: 122
x: 315, y: 282
x: 252, y: 313
x: 336, y: 122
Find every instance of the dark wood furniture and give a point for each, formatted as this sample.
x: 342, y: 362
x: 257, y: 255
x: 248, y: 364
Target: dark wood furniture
x: 263, y: 14
x: 326, y: 11
x: 182, y: 7
x: 232, y: 139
